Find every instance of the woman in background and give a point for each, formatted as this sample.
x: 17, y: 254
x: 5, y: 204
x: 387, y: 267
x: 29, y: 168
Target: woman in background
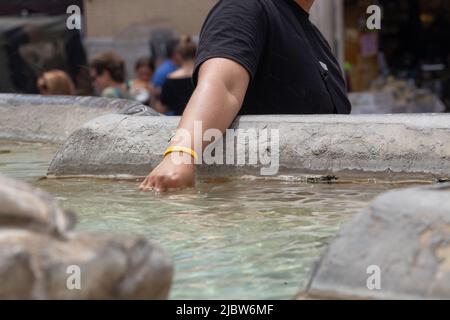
x: 178, y: 88
x: 56, y: 82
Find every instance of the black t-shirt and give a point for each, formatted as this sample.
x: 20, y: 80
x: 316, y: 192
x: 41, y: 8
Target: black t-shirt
x: 291, y: 65
x: 176, y: 93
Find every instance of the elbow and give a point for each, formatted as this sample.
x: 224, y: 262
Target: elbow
x: 226, y: 91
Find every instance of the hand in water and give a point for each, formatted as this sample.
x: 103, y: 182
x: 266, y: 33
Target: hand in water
x: 169, y: 175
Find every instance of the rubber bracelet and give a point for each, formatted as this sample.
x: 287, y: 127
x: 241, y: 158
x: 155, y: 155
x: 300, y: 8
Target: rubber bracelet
x: 189, y: 151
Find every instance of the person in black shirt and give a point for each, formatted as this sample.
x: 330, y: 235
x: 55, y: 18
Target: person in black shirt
x: 178, y: 88
x: 291, y: 66
x: 254, y: 57
x: 175, y: 95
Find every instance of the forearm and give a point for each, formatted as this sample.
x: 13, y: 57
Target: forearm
x: 215, y: 103
x: 213, y: 106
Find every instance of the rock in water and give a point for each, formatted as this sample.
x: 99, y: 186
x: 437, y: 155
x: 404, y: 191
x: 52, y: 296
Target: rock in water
x: 28, y: 208
x: 397, y: 248
x: 42, y: 258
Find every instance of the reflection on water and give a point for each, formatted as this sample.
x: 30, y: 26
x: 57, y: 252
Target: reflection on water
x: 237, y: 239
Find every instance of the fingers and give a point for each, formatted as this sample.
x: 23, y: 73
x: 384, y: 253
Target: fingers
x: 165, y: 183
x: 168, y: 176
x: 162, y: 183
x: 159, y: 183
x: 147, y: 184
x: 144, y: 183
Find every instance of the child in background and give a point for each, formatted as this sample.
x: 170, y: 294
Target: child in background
x: 56, y: 82
x: 140, y: 88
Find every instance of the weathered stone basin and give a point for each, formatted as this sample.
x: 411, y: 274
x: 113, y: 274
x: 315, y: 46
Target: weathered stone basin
x: 53, y: 119
x: 392, y: 146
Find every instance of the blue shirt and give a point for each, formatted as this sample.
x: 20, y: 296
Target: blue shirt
x: 160, y: 76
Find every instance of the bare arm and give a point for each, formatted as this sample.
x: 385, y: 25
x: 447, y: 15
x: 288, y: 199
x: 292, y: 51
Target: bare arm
x: 220, y: 92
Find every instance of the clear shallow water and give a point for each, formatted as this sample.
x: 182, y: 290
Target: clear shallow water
x: 235, y: 239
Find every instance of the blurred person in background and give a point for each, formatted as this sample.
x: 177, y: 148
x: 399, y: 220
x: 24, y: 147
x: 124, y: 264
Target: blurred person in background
x: 164, y: 69
x: 140, y: 88
x: 178, y: 88
x: 55, y: 82
x: 108, y: 76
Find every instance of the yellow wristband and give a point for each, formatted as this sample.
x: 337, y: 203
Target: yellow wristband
x: 189, y: 151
